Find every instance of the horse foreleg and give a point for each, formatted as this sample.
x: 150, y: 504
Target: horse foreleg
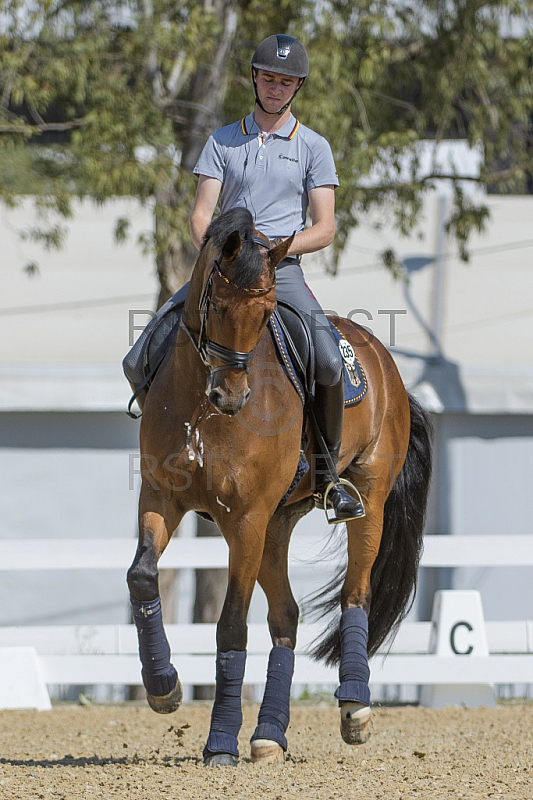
x: 245, y: 550
x: 353, y: 693
x: 268, y: 743
x: 160, y: 679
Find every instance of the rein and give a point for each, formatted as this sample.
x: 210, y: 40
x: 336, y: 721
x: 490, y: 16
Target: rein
x: 232, y: 359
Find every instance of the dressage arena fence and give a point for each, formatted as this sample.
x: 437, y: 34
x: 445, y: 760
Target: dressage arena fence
x: 84, y: 655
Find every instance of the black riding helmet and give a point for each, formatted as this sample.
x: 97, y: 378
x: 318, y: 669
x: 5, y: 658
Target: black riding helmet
x: 284, y: 55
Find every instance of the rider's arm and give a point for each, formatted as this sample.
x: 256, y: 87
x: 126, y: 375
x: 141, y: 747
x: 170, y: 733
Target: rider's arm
x: 322, y: 231
x: 207, y: 193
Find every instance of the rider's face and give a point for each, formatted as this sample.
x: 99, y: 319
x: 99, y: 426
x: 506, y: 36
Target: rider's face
x: 275, y: 90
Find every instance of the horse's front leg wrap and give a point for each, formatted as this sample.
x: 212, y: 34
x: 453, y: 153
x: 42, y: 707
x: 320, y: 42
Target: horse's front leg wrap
x: 354, y: 673
x: 158, y: 674
x: 226, y: 717
x: 274, y: 713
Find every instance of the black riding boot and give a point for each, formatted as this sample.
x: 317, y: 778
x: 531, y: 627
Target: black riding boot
x: 329, y: 410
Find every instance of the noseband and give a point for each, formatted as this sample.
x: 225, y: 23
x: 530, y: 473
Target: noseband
x: 232, y: 359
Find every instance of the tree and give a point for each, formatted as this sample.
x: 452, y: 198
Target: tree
x: 133, y: 88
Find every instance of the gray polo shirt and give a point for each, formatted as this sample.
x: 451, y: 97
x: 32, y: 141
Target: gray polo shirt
x: 270, y: 176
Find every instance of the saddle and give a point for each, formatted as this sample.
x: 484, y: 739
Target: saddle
x: 295, y: 347
x: 292, y: 338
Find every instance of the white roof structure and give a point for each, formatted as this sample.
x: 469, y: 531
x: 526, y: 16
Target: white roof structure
x: 460, y: 333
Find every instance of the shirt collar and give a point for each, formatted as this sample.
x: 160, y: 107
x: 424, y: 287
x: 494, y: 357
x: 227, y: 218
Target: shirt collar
x: 249, y: 127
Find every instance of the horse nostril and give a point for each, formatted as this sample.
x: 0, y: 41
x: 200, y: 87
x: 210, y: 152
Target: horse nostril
x: 228, y: 405
x: 215, y: 396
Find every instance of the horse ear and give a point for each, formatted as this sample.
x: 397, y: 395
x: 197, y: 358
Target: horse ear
x: 232, y: 246
x: 278, y: 253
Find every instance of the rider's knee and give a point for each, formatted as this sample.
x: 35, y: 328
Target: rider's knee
x: 329, y: 367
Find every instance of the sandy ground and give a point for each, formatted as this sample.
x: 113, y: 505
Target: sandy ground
x: 127, y: 751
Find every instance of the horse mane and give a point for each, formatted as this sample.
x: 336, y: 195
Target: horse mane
x: 248, y: 266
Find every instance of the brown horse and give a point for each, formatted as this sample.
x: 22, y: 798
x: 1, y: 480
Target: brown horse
x: 221, y: 435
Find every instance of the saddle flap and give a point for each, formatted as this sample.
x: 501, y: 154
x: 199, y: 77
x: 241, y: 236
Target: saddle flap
x: 299, y: 340
x: 141, y: 363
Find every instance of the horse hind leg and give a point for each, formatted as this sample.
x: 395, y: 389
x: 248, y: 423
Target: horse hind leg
x: 364, y: 537
x: 356, y: 723
x: 160, y: 679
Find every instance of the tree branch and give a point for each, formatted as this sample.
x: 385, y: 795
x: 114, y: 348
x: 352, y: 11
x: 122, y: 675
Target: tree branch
x: 35, y: 114
x: 153, y: 72
x: 44, y: 126
x: 501, y: 175
x: 362, y: 110
x: 405, y: 52
x: 394, y: 101
x: 176, y: 78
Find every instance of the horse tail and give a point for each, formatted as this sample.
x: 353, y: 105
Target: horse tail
x: 394, y: 574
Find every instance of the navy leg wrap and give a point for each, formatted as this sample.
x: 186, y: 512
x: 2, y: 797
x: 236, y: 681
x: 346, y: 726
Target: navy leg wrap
x: 158, y: 674
x: 354, y: 673
x: 274, y: 712
x: 226, y: 717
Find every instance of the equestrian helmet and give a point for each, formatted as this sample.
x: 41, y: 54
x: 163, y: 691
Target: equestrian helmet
x: 282, y: 54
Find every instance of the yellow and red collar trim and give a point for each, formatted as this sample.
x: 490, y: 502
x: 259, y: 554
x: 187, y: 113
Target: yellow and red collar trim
x: 293, y: 132
x: 291, y: 135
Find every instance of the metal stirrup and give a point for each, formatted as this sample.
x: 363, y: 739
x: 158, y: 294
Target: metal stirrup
x: 329, y: 487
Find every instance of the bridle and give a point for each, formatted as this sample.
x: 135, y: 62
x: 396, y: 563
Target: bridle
x: 206, y: 348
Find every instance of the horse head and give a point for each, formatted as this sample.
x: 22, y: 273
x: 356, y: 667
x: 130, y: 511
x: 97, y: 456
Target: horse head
x: 242, y: 300
x: 230, y: 299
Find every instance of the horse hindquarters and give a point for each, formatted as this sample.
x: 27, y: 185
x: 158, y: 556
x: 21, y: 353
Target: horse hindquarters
x: 383, y: 555
x: 394, y: 571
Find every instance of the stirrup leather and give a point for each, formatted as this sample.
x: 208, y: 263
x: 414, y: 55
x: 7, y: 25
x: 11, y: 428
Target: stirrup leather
x: 332, y: 520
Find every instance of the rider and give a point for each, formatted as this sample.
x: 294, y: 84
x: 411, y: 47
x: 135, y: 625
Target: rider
x: 276, y: 167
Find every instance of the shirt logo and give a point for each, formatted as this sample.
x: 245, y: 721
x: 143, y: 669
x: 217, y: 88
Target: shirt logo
x: 287, y: 158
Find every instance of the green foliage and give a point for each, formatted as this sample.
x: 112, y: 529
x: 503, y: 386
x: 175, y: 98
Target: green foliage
x: 102, y: 98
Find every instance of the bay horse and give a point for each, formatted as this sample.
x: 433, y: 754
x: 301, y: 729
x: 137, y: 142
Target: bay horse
x: 221, y: 435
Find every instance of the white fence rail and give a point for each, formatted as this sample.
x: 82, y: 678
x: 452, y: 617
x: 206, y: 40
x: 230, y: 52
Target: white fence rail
x: 212, y: 552
x: 108, y: 654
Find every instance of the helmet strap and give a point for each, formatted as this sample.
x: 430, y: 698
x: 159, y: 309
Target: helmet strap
x: 284, y: 108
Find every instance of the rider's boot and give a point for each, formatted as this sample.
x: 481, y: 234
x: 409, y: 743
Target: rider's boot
x: 329, y: 410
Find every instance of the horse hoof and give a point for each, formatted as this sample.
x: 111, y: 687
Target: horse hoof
x: 166, y: 703
x: 266, y: 751
x: 221, y: 760
x: 356, y: 723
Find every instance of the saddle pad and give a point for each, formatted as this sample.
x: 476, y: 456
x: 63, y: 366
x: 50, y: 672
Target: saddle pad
x: 355, y: 382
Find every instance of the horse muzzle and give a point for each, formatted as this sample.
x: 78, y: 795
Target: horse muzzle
x: 228, y: 404
x: 227, y: 395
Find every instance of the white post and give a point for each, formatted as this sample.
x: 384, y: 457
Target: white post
x: 458, y: 629
x: 21, y: 680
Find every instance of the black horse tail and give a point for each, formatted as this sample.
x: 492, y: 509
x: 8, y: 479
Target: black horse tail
x: 394, y: 574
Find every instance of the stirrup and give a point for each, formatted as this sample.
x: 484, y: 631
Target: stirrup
x: 332, y: 520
